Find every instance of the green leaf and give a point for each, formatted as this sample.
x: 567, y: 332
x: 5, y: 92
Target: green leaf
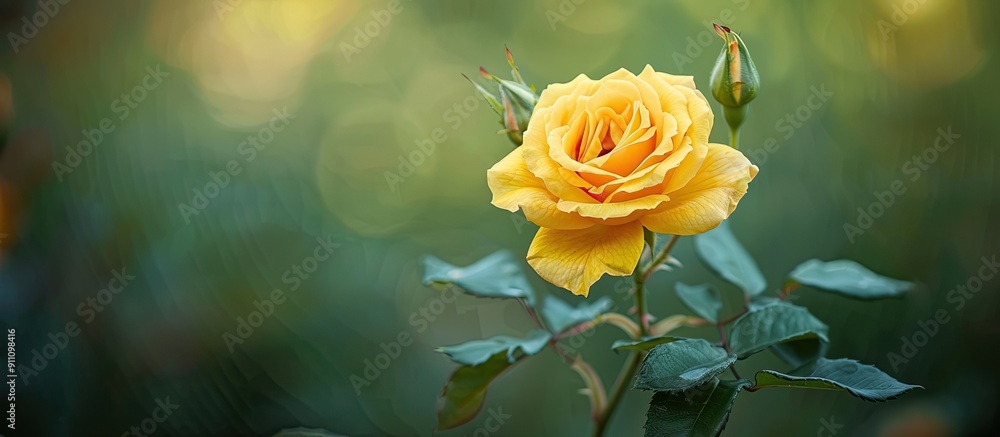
x: 479, y: 351
x: 800, y: 353
x: 722, y: 253
x: 560, y: 316
x: 681, y: 365
x: 704, y: 300
x: 490, y: 98
x: 848, y: 278
x: 643, y: 345
x: 861, y: 380
x: 498, y: 275
x: 700, y: 411
x: 771, y: 322
x: 305, y: 432
x: 464, y: 393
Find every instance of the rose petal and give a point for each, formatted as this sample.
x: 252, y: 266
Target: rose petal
x: 612, y: 210
x: 574, y: 260
x: 709, y: 198
x: 543, y: 167
x: 685, y: 81
x: 514, y: 187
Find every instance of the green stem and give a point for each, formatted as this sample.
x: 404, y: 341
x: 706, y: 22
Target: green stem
x: 624, y: 380
x: 734, y: 137
x: 660, y: 257
x: 734, y: 118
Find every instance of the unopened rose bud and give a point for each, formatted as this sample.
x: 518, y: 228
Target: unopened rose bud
x: 514, y: 102
x: 734, y: 79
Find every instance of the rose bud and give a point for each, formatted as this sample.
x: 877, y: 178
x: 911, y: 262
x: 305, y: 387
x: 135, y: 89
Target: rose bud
x: 515, y: 103
x: 734, y: 79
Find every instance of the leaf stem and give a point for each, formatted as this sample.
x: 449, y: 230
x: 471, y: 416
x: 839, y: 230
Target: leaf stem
x: 531, y: 313
x: 733, y: 318
x: 725, y: 345
x: 622, y: 322
x: 723, y: 337
x: 597, y: 395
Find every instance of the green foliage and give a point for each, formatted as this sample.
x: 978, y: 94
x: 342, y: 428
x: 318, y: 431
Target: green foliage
x: 498, y: 275
x: 770, y: 322
x: 800, y: 353
x: 465, y: 391
x: 861, y: 380
x: 681, y: 365
x: 689, y: 398
x: 704, y: 300
x: 722, y: 253
x: 700, y: 411
x: 643, y: 345
x: 479, y: 351
x: 559, y: 315
x: 848, y: 278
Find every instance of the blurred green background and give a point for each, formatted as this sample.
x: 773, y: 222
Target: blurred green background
x: 364, y: 85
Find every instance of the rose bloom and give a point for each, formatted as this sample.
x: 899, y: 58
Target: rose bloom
x: 602, y: 159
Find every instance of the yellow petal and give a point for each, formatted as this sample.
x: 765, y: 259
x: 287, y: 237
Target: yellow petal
x: 613, y: 209
x: 709, y: 198
x: 543, y: 167
x: 686, y: 81
x: 514, y: 187
x: 554, y: 91
x: 574, y: 260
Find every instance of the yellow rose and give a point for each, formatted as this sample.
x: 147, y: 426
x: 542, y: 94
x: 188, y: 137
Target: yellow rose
x: 604, y: 158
